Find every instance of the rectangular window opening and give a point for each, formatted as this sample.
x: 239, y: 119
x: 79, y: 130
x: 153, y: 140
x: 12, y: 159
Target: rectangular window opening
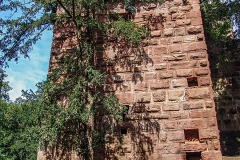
x: 193, y: 155
x: 191, y: 135
x: 123, y: 131
x: 192, y: 81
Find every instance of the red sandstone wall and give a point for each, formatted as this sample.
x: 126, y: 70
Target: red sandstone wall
x: 164, y: 100
x: 166, y: 84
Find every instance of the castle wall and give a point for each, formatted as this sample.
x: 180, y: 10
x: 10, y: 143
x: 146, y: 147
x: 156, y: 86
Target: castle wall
x: 165, y: 82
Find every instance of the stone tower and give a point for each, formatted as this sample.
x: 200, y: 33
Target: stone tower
x: 169, y: 92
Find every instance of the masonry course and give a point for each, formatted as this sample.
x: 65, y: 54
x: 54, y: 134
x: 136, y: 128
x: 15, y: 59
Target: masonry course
x: 162, y: 103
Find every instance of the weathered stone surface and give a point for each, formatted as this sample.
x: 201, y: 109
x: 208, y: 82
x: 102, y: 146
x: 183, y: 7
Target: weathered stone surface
x: 154, y: 81
x: 176, y: 95
x: 159, y: 96
x: 198, y: 93
x: 210, y: 155
x: 163, y: 84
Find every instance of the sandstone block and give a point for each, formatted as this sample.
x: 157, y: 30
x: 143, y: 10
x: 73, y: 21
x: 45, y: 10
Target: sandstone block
x: 176, y: 95
x: 173, y: 9
x: 154, y: 107
x: 177, y: 2
x: 212, y: 122
x: 209, y: 113
x: 184, y: 72
x: 179, y: 115
x: 193, y: 147
x: 150, y: 76
x: 192, y: 124
x: 165, y: 41
x: 175, y: 48
x: 141, y: 86
x: 189, y: 38
x: 178, y: 16
x: 198, y: 55
x: 160, y: 85
x: 195, y: 114
x: 165, y: 74
x: 174, y: 57
x: 128, y: 76
x: 193, y: 105
x: 193, y: 14
x: 146, y: 67
x: 194, y: 29
x: 171, y: 107
x: 198, y: 93
x: 161, y: 66
x: 168, y: 32
x: 121, y: 69
x: 173, y: 148
x: 170, y: 125
x: 185, y: 8
x: 168, y: 25
x: 153, y: 41
x: 182, y: 65
x: 201, y: 71
x: 159, y: 96
x: 177, y: 39
x: 163, y: 136
x: 182, y: 22
x: 182, y: 82
x: 159, y: 50
x: 216, y: 144
x: 196, y: 21
x: 200, y: 37
x: 210, y: 104
x: 177, y: 136
x: 186, y: 47
x: 203, y: 63
x: 194, y: 1
x: 143, y: 97
x: 208, y: 133
x: 204, y: 81
x: 156, y: 33
x: 124, y: 87
x: 157, y: 59
x: 173, y: 156
x: 125, y: 98
x: 210, y: 155
x: 110, y: 87
x: 117, y: 78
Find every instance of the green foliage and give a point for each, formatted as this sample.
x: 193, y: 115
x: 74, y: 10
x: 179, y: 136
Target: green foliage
x: 19, y: 129
x: 4, y: 88
x: 219, y: 19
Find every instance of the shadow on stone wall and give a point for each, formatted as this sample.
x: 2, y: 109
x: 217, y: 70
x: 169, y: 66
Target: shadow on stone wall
x: 230, y: 143
x: 226, y: 86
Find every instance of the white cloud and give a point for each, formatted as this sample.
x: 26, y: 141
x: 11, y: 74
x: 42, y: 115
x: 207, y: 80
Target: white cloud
x: 27, y: 72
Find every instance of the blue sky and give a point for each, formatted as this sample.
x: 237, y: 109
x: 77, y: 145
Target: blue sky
x: 24, y: 74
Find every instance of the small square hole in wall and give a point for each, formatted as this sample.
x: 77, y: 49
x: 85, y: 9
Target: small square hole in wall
x: 191, y: 135
x: 192, y: 81
x: 123, y: 131
x: 193, y: 156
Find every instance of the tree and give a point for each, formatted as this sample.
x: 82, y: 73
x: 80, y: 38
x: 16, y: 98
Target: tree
x: 19, y: 128
x: 72, y: 97
x: 221, y: 26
